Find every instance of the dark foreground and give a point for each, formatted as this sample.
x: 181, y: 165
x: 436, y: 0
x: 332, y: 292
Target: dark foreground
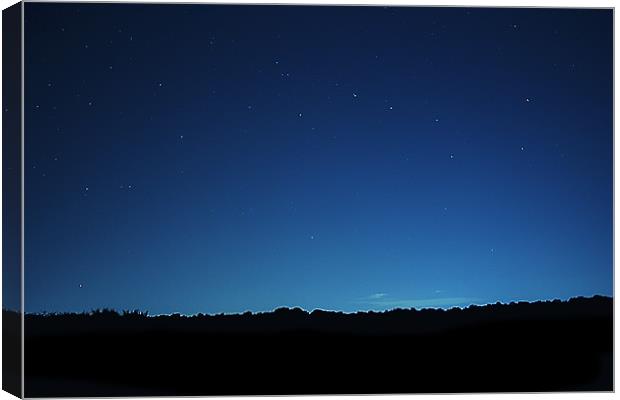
x: 542, y: 346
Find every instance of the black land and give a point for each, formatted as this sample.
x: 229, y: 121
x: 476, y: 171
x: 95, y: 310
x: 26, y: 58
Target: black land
x: 532, y: 347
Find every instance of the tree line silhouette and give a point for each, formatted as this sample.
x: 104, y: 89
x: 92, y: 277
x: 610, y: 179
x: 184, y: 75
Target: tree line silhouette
x: 522, y: 346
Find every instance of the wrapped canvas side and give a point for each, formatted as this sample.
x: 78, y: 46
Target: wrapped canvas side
x: 12, y: 305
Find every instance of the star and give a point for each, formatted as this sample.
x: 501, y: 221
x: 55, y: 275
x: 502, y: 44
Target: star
x: 451, y: 156
x: 522, y: 148
x: 527, y: 99
x: 354, y: 94
x: 300, y: 115
x: 311, y: 237
x: 81, y: 286
x: 436, y: 119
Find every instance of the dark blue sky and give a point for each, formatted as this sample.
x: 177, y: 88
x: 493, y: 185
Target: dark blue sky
x: 201, y: 158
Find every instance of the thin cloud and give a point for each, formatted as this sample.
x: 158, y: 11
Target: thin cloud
x: 383, y: 301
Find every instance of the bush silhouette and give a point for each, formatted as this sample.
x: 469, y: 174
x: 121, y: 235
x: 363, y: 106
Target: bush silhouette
x: 539, y: 346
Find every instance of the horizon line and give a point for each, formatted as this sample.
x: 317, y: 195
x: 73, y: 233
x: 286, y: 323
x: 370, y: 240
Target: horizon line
x: 290, y: 307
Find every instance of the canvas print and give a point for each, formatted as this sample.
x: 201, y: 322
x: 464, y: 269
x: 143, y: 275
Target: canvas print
x: 235, y: 199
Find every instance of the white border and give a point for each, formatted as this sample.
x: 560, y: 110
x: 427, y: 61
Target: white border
x: 22, y: 242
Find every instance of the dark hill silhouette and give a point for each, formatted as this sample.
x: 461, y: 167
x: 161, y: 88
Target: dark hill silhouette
x: 540, y: 346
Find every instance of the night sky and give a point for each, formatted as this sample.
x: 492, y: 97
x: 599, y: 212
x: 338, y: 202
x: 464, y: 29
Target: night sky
x: 200, y: 158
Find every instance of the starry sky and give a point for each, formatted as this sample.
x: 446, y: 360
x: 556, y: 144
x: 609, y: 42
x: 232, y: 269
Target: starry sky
x: 202, y: 158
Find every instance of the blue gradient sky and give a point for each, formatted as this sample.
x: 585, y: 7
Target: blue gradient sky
x: 229, y: 158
